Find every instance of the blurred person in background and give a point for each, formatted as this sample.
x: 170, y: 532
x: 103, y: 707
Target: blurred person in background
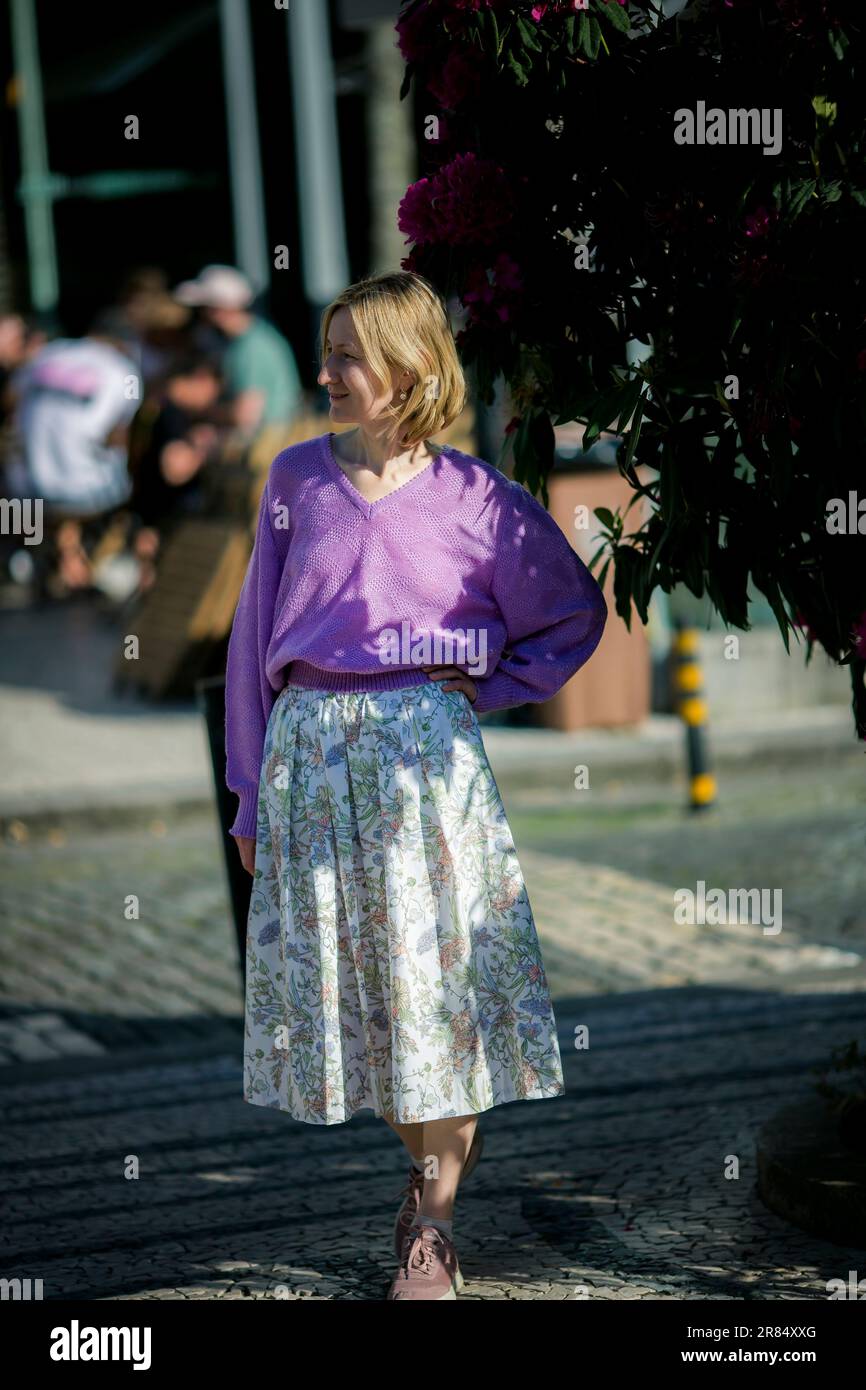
x: 262, y: 384
x: 73, y: 405
x: 19, y: 341
x: 169, y: 464
x: 13, y: 335
x: 159, y: 326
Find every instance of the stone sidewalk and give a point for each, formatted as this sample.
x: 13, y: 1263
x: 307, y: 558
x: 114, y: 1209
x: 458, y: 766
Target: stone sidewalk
x: 124, y: 1039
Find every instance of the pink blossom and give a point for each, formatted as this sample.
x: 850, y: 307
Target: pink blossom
x: 415, y: 31
x: 558, y: 7
x: 412, y: 261
x: 459, y: 77
x: 760, y: 221
x: 858, y: 632
x: 756, y: 270
x: 493, y: 294
x: 468, y: 201
x: 476, y: 199
x: 416, y: 216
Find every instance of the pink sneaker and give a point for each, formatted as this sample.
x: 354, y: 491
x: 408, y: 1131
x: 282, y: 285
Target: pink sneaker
x: 428, y: 1268
x: 411, y: 1193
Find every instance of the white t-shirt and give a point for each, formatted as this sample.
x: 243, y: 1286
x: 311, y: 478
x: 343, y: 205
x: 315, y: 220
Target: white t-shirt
x: 72, y: 395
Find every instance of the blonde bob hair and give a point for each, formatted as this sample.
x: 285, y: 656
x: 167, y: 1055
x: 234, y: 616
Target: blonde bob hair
x: 401, y: 324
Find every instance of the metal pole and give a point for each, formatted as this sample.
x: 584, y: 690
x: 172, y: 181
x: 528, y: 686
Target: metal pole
x: 324, y: 262
x: 38, y: 213
x: 692, y: 709
x: 248, y: 206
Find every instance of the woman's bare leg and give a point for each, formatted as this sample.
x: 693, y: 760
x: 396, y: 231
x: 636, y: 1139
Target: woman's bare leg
x: 411, y: 1135
x: 449, y: 1142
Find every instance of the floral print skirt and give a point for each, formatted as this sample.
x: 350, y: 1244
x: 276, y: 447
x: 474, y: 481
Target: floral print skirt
x: 392, y: 956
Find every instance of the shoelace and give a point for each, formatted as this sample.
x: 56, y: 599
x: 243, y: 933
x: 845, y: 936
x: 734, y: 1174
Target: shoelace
x: 423, y: 1250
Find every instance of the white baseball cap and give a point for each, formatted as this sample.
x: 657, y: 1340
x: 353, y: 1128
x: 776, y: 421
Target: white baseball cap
x: 217, y: 287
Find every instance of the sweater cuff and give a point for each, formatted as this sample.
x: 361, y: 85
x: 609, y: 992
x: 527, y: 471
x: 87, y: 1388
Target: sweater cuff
x: 492, y: 693
x: 246, y: 820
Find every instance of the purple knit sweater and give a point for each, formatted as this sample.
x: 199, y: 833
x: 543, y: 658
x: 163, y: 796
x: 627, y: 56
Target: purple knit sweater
x: 345, y: 594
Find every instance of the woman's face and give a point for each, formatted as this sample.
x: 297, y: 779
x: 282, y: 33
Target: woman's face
x: 355, y: 397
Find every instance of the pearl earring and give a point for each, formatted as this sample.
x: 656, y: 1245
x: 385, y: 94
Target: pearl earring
x: 402, y: 395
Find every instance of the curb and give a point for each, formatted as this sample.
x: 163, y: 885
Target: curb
x: 518, y: 759
x: 808, y: 1177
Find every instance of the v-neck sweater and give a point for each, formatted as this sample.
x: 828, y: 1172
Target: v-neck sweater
x: 346, y: 594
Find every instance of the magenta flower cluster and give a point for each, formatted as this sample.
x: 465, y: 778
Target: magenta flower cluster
x: 466, y: 202
x: 491, y: 295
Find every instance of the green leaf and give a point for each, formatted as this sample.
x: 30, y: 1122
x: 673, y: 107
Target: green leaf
x: 630, y: 397
x: 770, y: 589
x: 838, y: 42
x: 617, y: 15
x: 534, y: 449
x: 824, y: 109
x: 598, y: 554
x: 605, y: 516
x: 634, y: 435
x: 543, y: 444
x: 528, y: 34
x: 605, y: 410
x: 583, y: 31
x: 622, y: 572
x: 517, y: 68
x: 803, y: 191
x: 594, y: 38
x: 497, y: 38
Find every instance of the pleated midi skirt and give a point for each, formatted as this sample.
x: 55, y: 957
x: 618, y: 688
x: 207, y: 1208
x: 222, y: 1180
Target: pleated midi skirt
x: 392, y: 957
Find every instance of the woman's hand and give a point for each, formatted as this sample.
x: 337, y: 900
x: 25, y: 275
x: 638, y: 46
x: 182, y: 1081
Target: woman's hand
x: 247, y: 850
x: 462, y: 681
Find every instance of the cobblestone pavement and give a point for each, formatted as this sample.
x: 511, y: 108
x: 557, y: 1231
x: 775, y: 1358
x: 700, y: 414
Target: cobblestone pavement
x: 123, y: 1038
x: 615, y: 1190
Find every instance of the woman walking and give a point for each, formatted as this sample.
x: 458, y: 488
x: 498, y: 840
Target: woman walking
x: 396, y: 590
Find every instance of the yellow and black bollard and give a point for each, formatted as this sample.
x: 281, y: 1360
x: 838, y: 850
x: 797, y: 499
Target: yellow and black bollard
x: 692, y: 708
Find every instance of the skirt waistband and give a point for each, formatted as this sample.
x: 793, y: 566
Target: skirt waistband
x: 315, y: 678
